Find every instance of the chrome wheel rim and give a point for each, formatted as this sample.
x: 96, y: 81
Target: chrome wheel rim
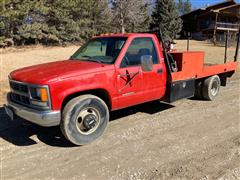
x: 88, y: 120
x: 214, y: 88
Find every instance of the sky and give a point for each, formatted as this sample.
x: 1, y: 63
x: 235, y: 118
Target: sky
x: 202, y: 3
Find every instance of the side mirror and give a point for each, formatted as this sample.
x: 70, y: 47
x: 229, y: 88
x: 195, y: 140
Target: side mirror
x: 146, y: 63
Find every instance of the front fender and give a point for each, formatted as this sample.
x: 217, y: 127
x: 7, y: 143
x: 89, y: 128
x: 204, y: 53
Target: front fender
x: 66, y: 87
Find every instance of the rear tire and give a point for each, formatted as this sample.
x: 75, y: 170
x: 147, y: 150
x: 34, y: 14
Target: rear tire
x: 84, y: 119
x: 211, y: 87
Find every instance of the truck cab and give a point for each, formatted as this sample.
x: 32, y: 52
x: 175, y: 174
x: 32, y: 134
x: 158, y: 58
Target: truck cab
x: 109, y: 72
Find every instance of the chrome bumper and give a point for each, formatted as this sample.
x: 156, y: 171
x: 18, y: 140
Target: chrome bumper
x: 42, y: 118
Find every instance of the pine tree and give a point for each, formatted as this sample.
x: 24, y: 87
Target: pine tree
x: 187, y: 7
x: 101, y: 17
x: 23, y: 20
x: 53, y: 21
x: 180, y: 6
x: 79, y: 20
x: 33, y: 27
x: 165, y: 16
x: 130, y: 15
x: 184, y: 7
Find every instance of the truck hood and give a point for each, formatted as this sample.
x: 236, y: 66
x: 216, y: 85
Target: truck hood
x: 54, y: 71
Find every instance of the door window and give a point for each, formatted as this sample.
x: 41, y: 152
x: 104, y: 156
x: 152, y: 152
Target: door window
x: 139, y: 47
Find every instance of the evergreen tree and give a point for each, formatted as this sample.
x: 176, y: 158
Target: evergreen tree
x: 165, y: 16
x: 101, y: 17
x: 187, y: 7
x: 180, y: 6
x: 70, y: 21
x: 53, y: 21
x: 32, y: 27
x: 130, y: 15
x: 184, y: 7
x: 60, y: 21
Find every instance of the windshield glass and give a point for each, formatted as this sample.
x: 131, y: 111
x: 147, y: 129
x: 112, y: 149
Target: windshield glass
x: 102, y: 50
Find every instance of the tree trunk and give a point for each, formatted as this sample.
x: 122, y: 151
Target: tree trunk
x: 122, y: 19
x: 123, y: 30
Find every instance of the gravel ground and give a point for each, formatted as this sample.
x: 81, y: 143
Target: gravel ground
x: 189, y: 139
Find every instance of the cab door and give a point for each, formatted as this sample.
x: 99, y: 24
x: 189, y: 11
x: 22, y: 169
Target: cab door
x: 129, y: 83
x: 154, y: 82
x: 135, y: 86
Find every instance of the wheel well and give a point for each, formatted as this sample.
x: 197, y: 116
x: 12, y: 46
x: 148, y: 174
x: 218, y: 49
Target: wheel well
x: 101, y: 93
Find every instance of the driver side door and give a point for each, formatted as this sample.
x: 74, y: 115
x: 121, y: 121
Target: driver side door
x: 135, y: 86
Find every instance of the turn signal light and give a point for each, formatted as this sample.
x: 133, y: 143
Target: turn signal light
x: 44, y: 94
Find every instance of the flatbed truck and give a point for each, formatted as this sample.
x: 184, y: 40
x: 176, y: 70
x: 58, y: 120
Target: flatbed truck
x: 110, y: 72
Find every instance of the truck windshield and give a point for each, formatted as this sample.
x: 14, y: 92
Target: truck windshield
x: 102, y: 50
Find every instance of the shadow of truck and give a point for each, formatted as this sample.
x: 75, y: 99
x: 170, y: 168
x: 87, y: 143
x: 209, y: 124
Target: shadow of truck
x: 19, y: 131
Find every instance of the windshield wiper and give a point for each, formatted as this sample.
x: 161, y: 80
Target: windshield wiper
x: 90, y: 59
x: 87, y: 56
x: 93, y: 60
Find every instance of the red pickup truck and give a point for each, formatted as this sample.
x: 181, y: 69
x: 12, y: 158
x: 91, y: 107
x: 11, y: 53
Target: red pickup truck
x: 110, y: 72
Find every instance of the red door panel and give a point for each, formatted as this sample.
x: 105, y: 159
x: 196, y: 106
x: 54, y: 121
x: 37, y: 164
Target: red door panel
x: 129, y: 82
x: 154, y: 82
x: 133, y: 85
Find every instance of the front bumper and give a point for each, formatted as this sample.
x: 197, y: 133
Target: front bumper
x: 42, y: 118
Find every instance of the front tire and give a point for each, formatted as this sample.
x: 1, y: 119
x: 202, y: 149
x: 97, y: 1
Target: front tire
x: 211, y: 87
x: 84, y: 119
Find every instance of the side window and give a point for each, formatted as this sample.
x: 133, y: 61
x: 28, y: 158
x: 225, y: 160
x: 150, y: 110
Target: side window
x: 139, y: 47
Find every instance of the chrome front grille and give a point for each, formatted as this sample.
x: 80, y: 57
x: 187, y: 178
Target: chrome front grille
x: 19, y: 87
x: 24, y: 94
x: 20, y: 99
x: 19, y: 93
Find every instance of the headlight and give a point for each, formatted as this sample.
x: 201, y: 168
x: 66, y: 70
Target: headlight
x: 39, y: 96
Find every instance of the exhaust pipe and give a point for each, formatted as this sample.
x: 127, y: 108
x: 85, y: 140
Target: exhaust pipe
x: 237, y: 48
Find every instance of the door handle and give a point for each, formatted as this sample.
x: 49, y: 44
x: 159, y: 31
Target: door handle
x: 160, y: 70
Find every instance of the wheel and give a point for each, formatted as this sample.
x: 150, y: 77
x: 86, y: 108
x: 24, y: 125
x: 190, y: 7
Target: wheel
x: 211, y: 87
x: 84, y: 119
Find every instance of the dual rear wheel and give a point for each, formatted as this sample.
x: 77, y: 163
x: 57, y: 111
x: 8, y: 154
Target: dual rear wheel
x: 208, y: 89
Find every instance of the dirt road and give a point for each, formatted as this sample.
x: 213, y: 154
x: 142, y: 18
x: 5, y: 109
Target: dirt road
x: 189, y: 139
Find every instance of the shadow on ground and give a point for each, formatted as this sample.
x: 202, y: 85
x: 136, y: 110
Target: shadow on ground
x: 20, y: 132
